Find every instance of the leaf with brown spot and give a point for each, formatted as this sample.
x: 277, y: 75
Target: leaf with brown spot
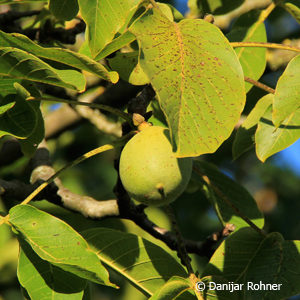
x: 197, y: 77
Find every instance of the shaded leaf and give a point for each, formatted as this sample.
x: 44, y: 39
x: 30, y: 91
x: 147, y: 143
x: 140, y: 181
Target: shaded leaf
x: 30, y: 144
x: 244, y: 139
x: 246, y: 256
x: 175, y: 288
x: 58, y: 243
x: 248, y: 28
x: 64, y: 9
x: 225, y: 193
x: 43, y: 280
x: 104, y: 19
x: 144, y: 264
x: 212, y: 291
x: 270, y: 140
x: 287, y: 92
x: 197, y: 78
x: 65, y: 56
x: 18, y: 121
x: 128, y: 67
x: 19, y: 64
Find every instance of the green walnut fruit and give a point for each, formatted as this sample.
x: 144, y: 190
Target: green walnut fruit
x: 149, y: 170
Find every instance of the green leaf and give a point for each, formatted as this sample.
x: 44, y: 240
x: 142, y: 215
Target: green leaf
x: 104, y: 19
x: 293, y: 7
x: 5, y: 107
x: 287, y: 92
x: 18, y: 121
x: 124, y: 39
x: 212, y: 293
x: 30, y: 144
x: 289, y: 274
x: 197, y: 78
x: 248, y: 257
x: 244, y: 139
x: 19, y: 64
x: 270, y: 140
x: 56, y: 242
x: 65, y: 56
x: 142, y: 263
x: 225, y: 193
x: 247, y: 28
x: 64, y: 9
x: 216, y: 7
x: 43, y: 280
x: 128, y: 67
x: 175, y: 288
x: 7, y: 86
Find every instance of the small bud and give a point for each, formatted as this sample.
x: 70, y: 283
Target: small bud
x: 209, y: 18
x: 137, y: 119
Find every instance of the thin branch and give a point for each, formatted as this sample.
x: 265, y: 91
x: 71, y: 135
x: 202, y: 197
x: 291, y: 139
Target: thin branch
x: 228, y: 202
x: 182, y: 252
x: 110, y: 109
x: 260, y: 85
x: 264, y: 45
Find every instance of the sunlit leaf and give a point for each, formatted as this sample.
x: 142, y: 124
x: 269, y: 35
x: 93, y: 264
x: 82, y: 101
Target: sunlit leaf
x: 270, y: 140
x: 18, y: 64
x: 43, y: 280
x: 104, y: 18
x: 176, y: 288
x: 124, y: 39
x: 197, y: 77
x: 5, y: 107
x: 287, y: 92
x: 128, y: 67
x: 56, y: 242
x: 61, y: 55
